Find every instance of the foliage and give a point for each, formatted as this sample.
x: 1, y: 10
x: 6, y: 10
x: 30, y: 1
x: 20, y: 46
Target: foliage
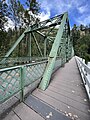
x: 21, y: 15
x: 81, y: 43
x: 3, y: 14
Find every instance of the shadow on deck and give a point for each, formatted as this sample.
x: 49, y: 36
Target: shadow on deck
x: 64, y: 99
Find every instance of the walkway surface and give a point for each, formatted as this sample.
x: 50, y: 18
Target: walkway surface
x: 64, y: 99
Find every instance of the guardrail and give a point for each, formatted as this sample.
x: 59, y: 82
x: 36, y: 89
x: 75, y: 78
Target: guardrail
x: 85, y: 74
x: 15, y: 79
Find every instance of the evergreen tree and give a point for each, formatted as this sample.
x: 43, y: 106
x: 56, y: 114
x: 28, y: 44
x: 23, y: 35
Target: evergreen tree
x: 32, y: 10
x: 3, y: 14
x: 13, y: 9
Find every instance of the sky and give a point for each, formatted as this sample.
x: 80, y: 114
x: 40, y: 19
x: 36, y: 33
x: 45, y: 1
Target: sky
x: 78, y: 10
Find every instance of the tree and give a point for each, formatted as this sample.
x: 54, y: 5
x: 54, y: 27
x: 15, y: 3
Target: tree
x: 22, y: 16
x: 75, y: 35
x: 82, y: 47
x: 32, y: 10
x: 20, y: 12
x: 13, y: 9
x: 81, y: 27
x: 33, y: 6
x: 3, y: 14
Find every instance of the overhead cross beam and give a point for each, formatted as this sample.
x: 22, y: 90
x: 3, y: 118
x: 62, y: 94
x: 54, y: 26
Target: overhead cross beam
x: 46, y: 24
x: 44, y: 36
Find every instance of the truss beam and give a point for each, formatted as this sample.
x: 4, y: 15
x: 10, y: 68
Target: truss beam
x: 37, y: 44
x: 46, y: 24
x: 53, y: 54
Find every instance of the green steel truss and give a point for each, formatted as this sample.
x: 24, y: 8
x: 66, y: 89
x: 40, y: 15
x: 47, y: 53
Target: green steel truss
x: 41, y: 34
x: 51, y: 38
x: 62, y: 46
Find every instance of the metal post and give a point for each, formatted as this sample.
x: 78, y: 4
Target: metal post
x: 22, y: 82
x: 29, y: 47
x: 45, y: 45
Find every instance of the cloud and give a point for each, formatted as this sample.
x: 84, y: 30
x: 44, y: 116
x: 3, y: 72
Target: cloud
x: 76, y: 9
x: 44, y: 16
x: 79, y: 10
x: 45, y: 10
x: 83, y: 9
x: 9, y: 24
x: 85, y: 20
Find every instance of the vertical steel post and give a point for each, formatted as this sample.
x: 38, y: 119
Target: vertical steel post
x: 45, y: 45
x: 67, y: 48
x: 29, y: 47
x: 22, y: 82
x: 67, y: 44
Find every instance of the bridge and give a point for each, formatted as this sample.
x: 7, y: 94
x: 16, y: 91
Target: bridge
x: 48, y: 83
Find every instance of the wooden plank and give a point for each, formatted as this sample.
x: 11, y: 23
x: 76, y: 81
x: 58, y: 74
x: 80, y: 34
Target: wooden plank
x: 77, y: 105
x: 11, y: 116
x: 68, y: 94
x: 8, y: 104
x: 64, y: 94
x: 25, y: 113
x: 61, y: 106
x: 76, y: 89
x: 44, y: 110
x: 69, y: 91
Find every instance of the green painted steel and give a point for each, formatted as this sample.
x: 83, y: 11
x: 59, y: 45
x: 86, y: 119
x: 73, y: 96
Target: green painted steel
x: 9, y: 62
x: 15, y: 79
x: 9, y: 82
x: 47, y: 24
x: 16, y: 43
x: 53, y: 54
x: 22, y: 81
x: 45, y: 47
x: 29, y: 47
x: 37, y: 44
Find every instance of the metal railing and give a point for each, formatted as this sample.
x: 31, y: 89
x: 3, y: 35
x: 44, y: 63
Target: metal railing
x: 13, y: 61
x: 85, y: 74
x: 15, y: 79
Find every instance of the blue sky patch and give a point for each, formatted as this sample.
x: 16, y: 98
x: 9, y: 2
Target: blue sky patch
x: 78, y: 10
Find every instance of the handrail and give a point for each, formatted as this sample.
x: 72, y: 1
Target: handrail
x: 9, y: 61
x: 85, y: 74
x: 19, y: 66
x: 15, y: 79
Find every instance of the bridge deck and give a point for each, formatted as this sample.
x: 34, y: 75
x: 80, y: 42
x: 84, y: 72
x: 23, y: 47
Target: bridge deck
x: 66, y: 93
x: 65, y: 96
